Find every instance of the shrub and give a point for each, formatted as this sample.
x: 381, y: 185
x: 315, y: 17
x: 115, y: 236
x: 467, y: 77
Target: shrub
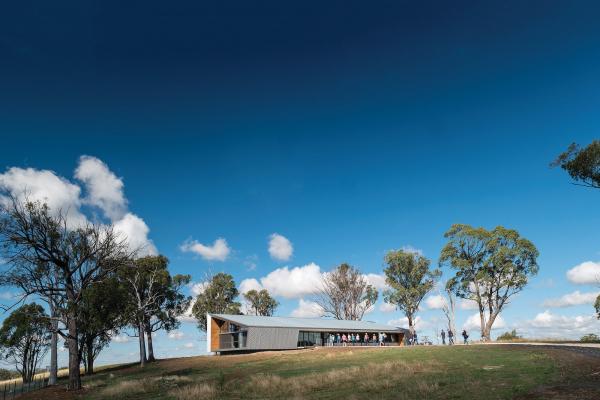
x: 512, y: 335
x: 590, y: 338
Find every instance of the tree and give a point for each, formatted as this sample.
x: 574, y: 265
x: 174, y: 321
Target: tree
x: 509, y: 336
x: 101, y: 314
x: 409, y: 277
x: 345, y: 293
x: 46, y: 256
x: 261, y: 302
x: 449, y: 308
x: 218, y: 297
x: 583, y: 165
x: 491, y: 267
x: 597, y: 307
x: 25, y: 338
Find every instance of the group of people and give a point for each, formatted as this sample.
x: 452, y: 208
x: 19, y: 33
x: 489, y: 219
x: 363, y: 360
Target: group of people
x: 355, y: 339
x: 465, y: 336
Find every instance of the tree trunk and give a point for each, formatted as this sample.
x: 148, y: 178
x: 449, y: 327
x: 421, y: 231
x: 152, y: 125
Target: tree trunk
x: 53, y: 373
x: 150, y: 347
x: 483, y: 325
x: 142, y: 344
x: 74, y: 373
x: 89, y: 348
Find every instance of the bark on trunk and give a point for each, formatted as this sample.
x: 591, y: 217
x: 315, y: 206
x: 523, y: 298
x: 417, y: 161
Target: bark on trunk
x: 141, y: 335
x: 53, y: 373
x: 89, y: 369
x: 150, y: 347
x: 74, y: 373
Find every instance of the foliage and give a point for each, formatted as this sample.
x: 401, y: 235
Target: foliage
x: 345, y: 293
x: 47, y: 256
x: 410, y: 279
x: 583, y: 165
x: 261, y: 302
x: 597, y: 306
x: 6, y: 374
x: 590, y: 338
x: 491, y: 267
x: 218, y: 297
x: 508, y: 336
x: 25, y: 338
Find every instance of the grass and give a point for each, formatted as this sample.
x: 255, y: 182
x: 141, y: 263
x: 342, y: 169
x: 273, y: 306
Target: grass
x: 457, y: 372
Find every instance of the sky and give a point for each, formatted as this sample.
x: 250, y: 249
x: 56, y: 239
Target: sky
x: 276, y: 140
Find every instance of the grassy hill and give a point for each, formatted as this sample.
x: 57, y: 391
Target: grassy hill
x: 458, y: 372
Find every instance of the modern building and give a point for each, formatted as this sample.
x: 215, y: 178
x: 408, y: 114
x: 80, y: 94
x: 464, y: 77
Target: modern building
x: 247, y: 333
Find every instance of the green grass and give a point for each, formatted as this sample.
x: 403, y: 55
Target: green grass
x: 458, y: 372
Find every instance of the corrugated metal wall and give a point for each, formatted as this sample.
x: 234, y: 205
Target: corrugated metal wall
x: 272, y: 338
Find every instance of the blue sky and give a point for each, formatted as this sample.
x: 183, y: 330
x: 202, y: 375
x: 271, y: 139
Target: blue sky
x: 349, y: 130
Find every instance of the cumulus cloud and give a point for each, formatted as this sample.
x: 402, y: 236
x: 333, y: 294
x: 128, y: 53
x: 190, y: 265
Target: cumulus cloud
x: 280, y: 248
x: 585, y: 273
x: 120, y: 339
x: 187, y: 316
x: 249, y: 284
x: 104, y: 191
x: 217, y: 252
x: 387, y: 307
x: 468, y: 305
x: 436, y: 302
x: 188, y: 345
x: 410, y: 249
x: 307, y: 309
x: 197, y: 287
x: 44, y: 186
x: 377, y: 281
x: 474, y: 323
x: 572, y: 299
x: 549, y: 325
x: 293, y: 283
x: 104, y: 188
x: 135, y: 230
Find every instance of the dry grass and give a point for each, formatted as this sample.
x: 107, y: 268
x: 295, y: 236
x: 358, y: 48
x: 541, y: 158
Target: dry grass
x: 202, y: 391
x: 123, y: 388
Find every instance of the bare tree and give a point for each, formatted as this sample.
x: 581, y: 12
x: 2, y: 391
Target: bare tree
x: 345, y: 293
x: 449, y: 307
x: 39, y: 245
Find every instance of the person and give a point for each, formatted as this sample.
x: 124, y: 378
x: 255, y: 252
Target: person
x: 415, y: 339
x: 380, y: 339
x: 443, y: 336
x: 338, y: 339
x: 331, y: 339
x: 450, y: 337
x: 383, y: 337
x: 366, y: 339
x: 374, y: 338
x: 344, y: 340
x: 465, y: 336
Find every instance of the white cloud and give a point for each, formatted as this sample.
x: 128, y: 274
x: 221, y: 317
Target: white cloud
x: 410, y: 249
x: 468, y: 305
x: 121, y: 339
x: 104, y: 189
x: 188, y: 345
x: 572, y: 299
x: 548, y: 325
x: 419, y: 322
x: 44, y: 186
x: 436, y: 302
x: 377, y: 281
x: 307, y: 309
x: 280, y: 248
x: 217, y: 252
x: 197, y: 287
x: 136, y: 231
x: 249, y: 284
x: 187, y: 316
x: 585, y: 273
x: 176, y: 335
x: 250, y: 262
x: 474, y: 323
x: 293, y: 283
x: 387, y: 307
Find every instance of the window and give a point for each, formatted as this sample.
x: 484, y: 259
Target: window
x: 307, y: 339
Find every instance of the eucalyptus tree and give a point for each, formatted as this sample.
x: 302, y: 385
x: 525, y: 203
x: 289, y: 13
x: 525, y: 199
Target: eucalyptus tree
x: 25, y: 338
x: 410, y: 278
x: 491, y: 267
x: 582, y: 164
x: 46, y: 256
x: 218, y: 296
x: 345, y: 293
x: 260, y: 302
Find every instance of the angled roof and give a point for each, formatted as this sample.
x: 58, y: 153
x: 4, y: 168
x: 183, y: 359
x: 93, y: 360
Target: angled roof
x: 306, y: 323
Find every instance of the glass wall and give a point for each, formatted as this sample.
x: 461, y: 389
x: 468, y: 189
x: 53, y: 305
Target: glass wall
x: 307, y: 339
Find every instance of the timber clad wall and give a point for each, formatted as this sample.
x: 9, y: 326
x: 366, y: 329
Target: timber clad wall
x: 214, y: 334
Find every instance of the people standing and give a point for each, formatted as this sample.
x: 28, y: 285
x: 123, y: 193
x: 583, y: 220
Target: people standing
x: 338, y: 339
x: 450, y: 337
x: 344, y: 340
x: 415, y: 339
x: 465, y: 336
x: 443, y: 334
x: 366, y: 339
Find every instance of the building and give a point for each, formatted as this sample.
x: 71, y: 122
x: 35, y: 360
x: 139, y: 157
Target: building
x: 247, y: 333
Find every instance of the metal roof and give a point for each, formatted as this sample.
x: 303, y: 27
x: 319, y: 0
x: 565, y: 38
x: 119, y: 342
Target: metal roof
x: 307, y: 323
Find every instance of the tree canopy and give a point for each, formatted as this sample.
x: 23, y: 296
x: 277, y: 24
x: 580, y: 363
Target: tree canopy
x: 25, y: 338
x: 345, y: 293
x: 582, y: 164
x: 218, y: 296
x: 260, y: 302
x: 409, y: 277
x: 491, y: 267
